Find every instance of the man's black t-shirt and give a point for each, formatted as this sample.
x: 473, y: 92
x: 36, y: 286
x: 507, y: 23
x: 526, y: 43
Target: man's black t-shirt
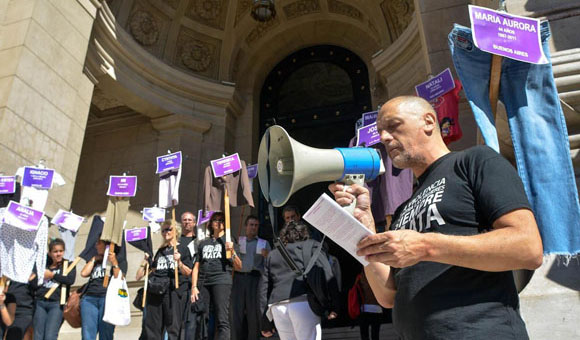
x: 462, y: 193
x: 214, y: 267
x: 185, y: 247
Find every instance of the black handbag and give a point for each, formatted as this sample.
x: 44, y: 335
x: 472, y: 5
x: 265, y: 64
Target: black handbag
x: 158, y: 284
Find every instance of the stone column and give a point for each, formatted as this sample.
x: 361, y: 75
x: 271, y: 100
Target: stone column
x: 44, y: 94
x: 179, y: 132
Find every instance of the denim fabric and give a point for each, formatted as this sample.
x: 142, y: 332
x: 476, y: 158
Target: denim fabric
x: 92, y: 310
x: 538, y: 131
x: 47, y: 320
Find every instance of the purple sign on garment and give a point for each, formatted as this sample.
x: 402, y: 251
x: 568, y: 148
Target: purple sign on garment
x: 122, y: 186
x: 369, y: 117
x: 226, y: 165
x: 508, y: 35
x: 252, y: 170
x: 154, y: 214
x: 7, y: 184
x: 22, y: 217
x: 136, y: 234
x: 201, y: 219
x: 368, y: 135
x: 37, y: 177
x: 436, y: 86
x: 67, y: 220
x: 168, y: 162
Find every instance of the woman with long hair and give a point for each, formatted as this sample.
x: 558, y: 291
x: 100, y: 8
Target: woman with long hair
x: 48, y: 312
x: 213, y: 271
x: 162, y: 312
x: 283, y: 295
x: 93, y: 300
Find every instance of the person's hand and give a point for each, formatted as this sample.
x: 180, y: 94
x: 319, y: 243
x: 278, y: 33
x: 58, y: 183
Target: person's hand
x: 48, y: 275
x: 2, y: 297
x: 332, y: 315
x: 229, y: 246
x: 177, y: 256
x: 194, y: 294
x: 265, y: 252
x: 112, y: 259
x: 398, y: 248
x: 267, y: 334
x: 362, y: 211
x: 145, y: 256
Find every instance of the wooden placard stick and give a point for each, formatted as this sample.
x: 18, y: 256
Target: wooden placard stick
x: 65, y: 272
x: 63, y: 290
x: 227, y: 218
x: 174, y: 222
x: 145, y: 285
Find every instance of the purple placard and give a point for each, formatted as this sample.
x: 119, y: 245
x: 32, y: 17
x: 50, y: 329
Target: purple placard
x: 436, y: 86
x: 122, y: 186
x: 203, y: 219
x: 136, y: 234
x: 22, y: 217
x: 67, y: 220
x: 37, y: 177
x: 226, y: 165
x: 368, y: 135
x: 154, y: 214
x: 252, y: 170
x: 508, y: 35
x: 168, y: 162
x: 7, y: 184
x: 369, y: 117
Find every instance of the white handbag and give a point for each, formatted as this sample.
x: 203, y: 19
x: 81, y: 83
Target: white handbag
x: 117, y: 302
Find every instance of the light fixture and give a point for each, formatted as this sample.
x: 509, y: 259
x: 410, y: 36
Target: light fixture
x: 263, y: 10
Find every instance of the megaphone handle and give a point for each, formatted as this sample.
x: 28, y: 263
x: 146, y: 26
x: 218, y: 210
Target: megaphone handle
x: 348, y: 181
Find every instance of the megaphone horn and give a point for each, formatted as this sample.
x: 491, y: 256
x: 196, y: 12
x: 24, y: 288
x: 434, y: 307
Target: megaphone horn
x: 285, y: 165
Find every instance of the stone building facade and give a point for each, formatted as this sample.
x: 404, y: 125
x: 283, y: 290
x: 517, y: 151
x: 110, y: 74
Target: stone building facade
x: 97, y: 88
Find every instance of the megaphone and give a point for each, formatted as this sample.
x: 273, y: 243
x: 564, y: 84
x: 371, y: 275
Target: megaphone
x: 285, y: 165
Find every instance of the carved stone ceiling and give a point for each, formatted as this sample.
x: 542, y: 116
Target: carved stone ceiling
x: 213, y: 38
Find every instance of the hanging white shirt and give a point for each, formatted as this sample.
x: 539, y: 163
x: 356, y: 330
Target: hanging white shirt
x: 169, y: 188
x: 38, y: 197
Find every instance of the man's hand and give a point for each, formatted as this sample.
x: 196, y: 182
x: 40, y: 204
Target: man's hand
x: 332, y: 316
x: 267, y: 334
x: 400, y: 248
x: 362, y: 211
x: 265, y: 252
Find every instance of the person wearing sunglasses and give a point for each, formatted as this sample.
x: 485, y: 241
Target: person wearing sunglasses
x: 164, y: 309
x: 213, y: 271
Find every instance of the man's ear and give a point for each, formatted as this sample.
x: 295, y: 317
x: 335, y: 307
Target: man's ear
x: 431, y: 122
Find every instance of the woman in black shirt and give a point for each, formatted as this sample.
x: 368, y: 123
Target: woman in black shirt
x: 93, y: 301
x: 48, y: 312
x: 213, y: 271
x: 162, y: 310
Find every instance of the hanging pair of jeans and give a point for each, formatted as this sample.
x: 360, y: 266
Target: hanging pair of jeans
x: 538, y: 131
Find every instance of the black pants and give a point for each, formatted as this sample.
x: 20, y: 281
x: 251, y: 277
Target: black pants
x: 220, y: 299
x: 164, y: 313
x: 196, y: 317
x: 245, y: 306
x: 374, y: 321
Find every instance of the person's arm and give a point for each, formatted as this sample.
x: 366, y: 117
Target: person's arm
x: 236, y: 261
x: 88, y: 268
x: 7, y: 311
x: 514, y: 243
x: 66, y: 279
x: 115, y: 264
x: 194, y: 276
x: 179, y: 260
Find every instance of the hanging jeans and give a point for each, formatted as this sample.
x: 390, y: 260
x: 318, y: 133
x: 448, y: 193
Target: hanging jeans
x: 538, y: 131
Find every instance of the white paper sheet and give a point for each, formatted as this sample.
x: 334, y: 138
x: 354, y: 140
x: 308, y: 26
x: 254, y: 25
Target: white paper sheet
x: 335, y: 222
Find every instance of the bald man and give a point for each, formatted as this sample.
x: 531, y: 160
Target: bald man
x: 445, y: 264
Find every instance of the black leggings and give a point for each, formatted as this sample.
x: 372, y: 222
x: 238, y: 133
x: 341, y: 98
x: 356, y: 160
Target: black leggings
x: 370, y: 319
x: 220, y: 300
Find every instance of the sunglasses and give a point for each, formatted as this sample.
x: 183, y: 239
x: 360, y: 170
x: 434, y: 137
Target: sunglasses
x: 166, y: 230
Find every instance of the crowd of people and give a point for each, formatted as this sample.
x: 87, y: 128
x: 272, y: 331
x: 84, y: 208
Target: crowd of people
x: 444, y: 264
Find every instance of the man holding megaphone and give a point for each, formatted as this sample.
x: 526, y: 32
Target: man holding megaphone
x: 445, y: 265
